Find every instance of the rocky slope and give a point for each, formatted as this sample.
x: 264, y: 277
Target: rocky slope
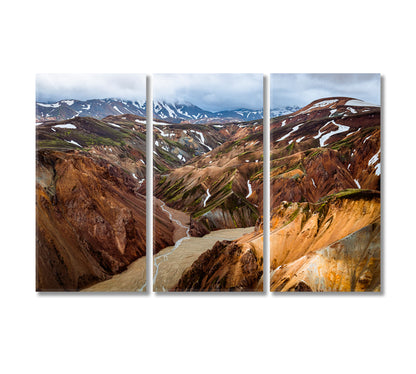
x: 175, y: 144
x: 219, y: 184
x: 90, y: 193
x: 221, y: 188
x: 333, y: 245
x: 89, y: 220
x: 120, y: 140
x: 323, y: 148
x: 350, y: 264
x: 228, y: 266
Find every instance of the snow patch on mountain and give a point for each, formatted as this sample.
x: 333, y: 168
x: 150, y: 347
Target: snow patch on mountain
x: 250, y: 190
x: 56, y: 105
x: 295, y: 128
x: 66, y: 126
x: 206, y: 199
x: 73, y: 142
x: 323, y: 138
x: 355, y: 102
x: 118, y: 110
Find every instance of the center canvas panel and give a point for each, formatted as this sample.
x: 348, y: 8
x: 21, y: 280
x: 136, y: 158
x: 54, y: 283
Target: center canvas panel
x: 90, y: 182
x: 208, y: 182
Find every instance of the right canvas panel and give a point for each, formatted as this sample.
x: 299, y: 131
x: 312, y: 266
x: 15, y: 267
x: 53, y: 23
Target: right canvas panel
x: 325, y: 182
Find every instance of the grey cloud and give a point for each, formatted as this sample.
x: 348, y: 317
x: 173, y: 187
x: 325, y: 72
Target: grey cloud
x: 301, y: 89
x: 212, y: 92
x: 54, y: 87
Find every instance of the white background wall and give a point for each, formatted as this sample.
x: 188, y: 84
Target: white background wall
x: 214, y: 333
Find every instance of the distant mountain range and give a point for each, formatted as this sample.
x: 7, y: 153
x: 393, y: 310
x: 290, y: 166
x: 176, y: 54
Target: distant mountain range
x: 170, y: 112
x: 188, y: 112
x: 281, y: 111
x: 96, y: 108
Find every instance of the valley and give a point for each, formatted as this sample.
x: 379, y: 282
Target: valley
x: 215, y: 184
x: 208, y: 201
x: 171, y: 262
x: 91, y: 195
x: 325, y: 202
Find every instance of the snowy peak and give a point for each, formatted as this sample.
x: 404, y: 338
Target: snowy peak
x: 97, y: 108
x: 162, y: 110
x: 281, y: 111
x: 241, y: 114
x: 179, y: 112
x: 190, y: 113
x: 335, y: 104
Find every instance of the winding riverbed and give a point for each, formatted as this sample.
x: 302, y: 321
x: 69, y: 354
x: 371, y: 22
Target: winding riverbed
x: 161, y: 257
x: 170, y: 263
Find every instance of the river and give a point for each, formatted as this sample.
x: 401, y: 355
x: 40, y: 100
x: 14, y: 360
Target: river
x: 169, y: 263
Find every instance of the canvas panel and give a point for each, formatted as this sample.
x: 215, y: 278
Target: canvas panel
x: 90, y: 186
x: 208, y: 182
x: 325, y: 182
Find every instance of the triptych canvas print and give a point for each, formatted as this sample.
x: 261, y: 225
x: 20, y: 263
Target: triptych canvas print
x: 208, y: 161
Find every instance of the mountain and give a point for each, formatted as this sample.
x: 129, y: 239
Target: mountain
x: 325, y: 203
x: 325, y: 197
x: 176, y: 144
x: 171, y: 112
x: 189, y: 113
x: 221, y: 188
x: 91, y: 191
x: 281, y: 111
x: 90, y: 200
x: 210, y: 175
x: 96, y: 108
x: 89, y: 220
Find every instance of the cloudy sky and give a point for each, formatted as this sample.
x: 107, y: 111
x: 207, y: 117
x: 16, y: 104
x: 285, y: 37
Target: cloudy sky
x: 301, y: 89
x: 54, y: 87
x: 213, y: 92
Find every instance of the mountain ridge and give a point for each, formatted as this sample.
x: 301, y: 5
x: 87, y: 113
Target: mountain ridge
x: 325, y: 202
x: 177, y: 112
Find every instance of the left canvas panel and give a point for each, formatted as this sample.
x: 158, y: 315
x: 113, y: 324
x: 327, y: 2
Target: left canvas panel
x: 90, y: 182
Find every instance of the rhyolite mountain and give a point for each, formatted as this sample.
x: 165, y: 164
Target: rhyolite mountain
x: 90, y: 209
x: 325, y: 203
x: 170, y: 112
x: 91, y: 206
x: 325, y: 198
x: 220, y: 188
x: 90, y: 200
